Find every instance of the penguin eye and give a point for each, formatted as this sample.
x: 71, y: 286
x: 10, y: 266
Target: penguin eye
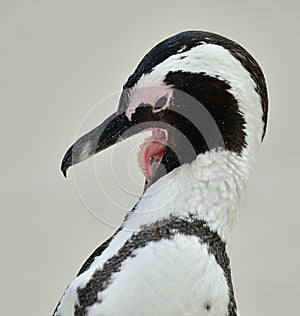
x: 160, y: 103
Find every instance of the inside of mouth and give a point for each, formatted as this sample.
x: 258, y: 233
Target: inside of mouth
x: 151, y: 152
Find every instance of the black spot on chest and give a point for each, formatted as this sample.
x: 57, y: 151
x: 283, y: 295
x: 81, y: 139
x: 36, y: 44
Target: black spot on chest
x: 207, y: 306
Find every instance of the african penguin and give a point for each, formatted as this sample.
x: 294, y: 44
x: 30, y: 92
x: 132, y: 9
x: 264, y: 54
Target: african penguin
x: 204, y: 99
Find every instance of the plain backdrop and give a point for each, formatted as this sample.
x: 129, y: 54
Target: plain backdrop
x: 58, y: 59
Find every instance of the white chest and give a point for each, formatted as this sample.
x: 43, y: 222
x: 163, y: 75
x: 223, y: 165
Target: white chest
x: 169, y: 277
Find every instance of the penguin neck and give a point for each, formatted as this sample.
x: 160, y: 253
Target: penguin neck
x: 209, y: 189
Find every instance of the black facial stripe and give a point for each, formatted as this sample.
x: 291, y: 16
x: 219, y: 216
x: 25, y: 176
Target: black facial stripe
x: 167, y: 229
x: 185, y: 41
x: 215, y: 96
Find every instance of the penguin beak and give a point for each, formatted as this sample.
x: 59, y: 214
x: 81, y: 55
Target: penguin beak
x: 114, y: 129
x: 103, y: 136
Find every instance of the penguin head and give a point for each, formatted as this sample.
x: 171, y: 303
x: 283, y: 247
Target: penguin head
x: 196, y: 92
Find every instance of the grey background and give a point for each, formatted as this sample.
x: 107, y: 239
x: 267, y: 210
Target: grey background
x: 59, y: 59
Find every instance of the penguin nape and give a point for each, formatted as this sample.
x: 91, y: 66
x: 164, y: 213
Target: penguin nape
x: 204, y: 98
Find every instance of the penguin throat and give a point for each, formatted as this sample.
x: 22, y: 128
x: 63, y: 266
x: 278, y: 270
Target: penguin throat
x: 151, y: 152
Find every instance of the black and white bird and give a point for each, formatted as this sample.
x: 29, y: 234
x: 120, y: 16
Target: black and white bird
x: 205, y: 100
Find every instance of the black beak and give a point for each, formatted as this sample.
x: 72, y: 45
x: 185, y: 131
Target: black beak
x: 105, y: 135
x: 114, y: 129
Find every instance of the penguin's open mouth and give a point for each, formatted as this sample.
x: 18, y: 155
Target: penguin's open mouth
x: 151, y: 152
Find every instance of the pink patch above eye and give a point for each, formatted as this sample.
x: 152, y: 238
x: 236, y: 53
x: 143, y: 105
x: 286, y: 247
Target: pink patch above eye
x: 146, y: 95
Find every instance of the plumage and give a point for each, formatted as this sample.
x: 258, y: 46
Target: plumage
x: 205, y: 100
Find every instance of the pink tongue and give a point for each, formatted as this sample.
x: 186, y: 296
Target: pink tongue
x: 154, y: 149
